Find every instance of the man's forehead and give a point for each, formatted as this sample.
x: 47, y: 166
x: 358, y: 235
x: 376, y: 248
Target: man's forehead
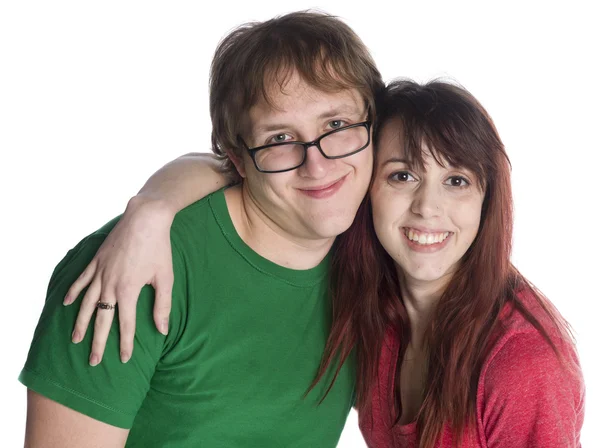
x: 307, y: 103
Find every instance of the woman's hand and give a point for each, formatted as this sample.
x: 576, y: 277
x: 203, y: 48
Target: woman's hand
x: 137, y: 252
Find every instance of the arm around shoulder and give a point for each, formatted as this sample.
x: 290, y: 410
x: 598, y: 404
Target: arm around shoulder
x: 529, y: 397
x: 185, y: 180
x: 137, y: 251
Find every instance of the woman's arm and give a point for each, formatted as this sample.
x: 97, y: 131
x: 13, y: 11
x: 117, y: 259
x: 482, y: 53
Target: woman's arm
x: 184, y: 181
x: 138, y: 252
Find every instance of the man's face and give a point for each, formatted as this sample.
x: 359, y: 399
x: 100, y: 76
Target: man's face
x: 318, y: 200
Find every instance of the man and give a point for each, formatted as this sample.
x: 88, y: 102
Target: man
x: 291, y: 104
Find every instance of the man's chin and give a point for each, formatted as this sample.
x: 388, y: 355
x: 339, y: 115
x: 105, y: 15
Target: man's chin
x: 332, y: 228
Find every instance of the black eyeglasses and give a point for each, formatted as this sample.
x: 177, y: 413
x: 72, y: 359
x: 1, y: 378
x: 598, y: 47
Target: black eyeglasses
x: 287, y: 156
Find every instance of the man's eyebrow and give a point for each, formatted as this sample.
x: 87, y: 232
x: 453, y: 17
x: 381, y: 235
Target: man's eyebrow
x: 342, y: 110
x: 270, y: 127
x: 277, y: 126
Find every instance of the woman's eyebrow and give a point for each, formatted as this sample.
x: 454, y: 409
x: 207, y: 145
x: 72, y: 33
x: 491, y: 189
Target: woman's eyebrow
x: 396, y: 160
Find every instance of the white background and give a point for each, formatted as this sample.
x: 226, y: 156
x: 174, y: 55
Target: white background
x: 95, y: 96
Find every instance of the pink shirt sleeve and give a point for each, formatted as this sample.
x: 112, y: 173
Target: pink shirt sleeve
x: 527, y: 398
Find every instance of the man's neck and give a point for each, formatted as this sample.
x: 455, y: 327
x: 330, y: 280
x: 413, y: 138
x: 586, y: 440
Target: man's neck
x: 269, y: 240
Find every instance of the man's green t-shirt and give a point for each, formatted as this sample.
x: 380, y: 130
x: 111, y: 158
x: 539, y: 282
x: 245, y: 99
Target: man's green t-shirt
x: 245, y: 341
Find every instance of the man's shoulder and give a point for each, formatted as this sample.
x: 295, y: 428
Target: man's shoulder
x: 78, y: 257
x: 192, y: 222
x: 198, y: 210
x: 198, y: 239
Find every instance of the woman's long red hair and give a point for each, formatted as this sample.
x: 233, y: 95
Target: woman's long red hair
x: 365, y: 288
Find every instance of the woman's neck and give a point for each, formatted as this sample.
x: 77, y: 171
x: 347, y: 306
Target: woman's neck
x: 420, y: 300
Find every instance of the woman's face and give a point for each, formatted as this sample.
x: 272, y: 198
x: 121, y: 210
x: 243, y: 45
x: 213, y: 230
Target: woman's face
x: 425, y: 219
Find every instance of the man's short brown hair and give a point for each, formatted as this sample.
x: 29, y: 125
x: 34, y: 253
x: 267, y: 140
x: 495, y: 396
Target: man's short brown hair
x: 248, y: 62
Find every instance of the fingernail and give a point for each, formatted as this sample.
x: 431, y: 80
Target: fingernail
x: 75, y: 337
x: 67, y: 301
x: 164, y: 326
x: 94, y: 360
x: 125, y: 357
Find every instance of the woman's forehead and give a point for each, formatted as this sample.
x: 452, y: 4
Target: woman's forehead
x: 414, y: 145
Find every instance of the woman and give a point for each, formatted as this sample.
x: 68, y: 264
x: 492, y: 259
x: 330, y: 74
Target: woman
x: 454, y: 346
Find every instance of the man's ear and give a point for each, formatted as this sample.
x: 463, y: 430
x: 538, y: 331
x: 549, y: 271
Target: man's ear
x: 238, y: 162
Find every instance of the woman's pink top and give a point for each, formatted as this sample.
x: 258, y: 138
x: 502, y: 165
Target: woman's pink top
x: 525, y: 397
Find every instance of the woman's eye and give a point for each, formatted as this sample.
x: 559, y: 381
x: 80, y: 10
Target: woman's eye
x: 402, y: 176
x: 457, y: 181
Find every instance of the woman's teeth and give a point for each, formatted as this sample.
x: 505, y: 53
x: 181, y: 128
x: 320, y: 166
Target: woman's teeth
x: 425, y: 238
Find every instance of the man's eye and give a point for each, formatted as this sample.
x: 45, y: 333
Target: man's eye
x: 280, y: 138
x: 336, y: 124
x: 402, y: 176
x: 457, y: 181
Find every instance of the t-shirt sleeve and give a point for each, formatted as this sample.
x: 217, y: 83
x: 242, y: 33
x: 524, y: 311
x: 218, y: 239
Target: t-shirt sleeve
x: 528, y: 398
x: 111, y: 392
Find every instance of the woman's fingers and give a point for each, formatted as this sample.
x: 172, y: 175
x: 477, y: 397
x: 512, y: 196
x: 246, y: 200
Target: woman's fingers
x: 162, y: 301
x: 127, y: 314
x: 105, y: 313
x: 88, y: 306
x: 135, y: 253
x: 82, y: 281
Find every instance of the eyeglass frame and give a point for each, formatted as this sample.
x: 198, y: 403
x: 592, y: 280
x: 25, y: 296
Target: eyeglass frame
x: 317, y: 142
